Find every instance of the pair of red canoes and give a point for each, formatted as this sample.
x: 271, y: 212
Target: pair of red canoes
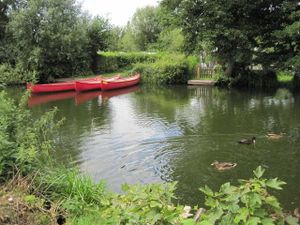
x: 95, y: 83
x: 107, y: 84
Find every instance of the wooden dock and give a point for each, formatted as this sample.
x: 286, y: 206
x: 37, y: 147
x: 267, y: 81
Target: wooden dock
x: 202, y: 82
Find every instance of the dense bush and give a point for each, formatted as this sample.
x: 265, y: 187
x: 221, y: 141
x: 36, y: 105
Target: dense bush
x: 250, y: 79
x: 170, y: 69
x: 24, y: 142
x: 248, y: 203
x: 112, y: 61
x: 15, y: 75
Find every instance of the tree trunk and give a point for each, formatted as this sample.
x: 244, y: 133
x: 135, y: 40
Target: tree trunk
x: 230, y: 68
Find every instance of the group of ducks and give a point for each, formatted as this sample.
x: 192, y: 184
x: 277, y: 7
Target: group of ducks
x: 221, y: 166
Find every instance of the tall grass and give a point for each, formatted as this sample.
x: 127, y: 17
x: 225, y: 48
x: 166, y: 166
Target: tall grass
x: 76, y: 191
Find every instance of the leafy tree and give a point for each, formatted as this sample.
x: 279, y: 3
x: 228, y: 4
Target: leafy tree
x: 145, y: 27
x: 6, y: 9
x: 99, y: 32
x: 170, y: 40
x: 240, y: 32
x: 127, y: 41
x: 51, y: 38
x: 288, y: 40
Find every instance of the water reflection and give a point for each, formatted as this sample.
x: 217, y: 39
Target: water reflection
x: 79, y: 97
x: 153, y: 134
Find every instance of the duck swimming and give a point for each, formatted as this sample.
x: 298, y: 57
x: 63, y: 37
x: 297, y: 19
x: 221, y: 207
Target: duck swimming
x: 247, y: 141
x: 274, y: 136
x: 221, y: 166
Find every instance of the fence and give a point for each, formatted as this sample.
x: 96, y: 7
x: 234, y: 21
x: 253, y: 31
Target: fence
x: 202, y: 71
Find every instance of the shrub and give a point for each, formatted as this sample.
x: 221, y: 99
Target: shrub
x: 170, y: 69
x: 248, y: 203
x: 24, y: 142
x: 149, y: 204
x: 15, y: 75
x: 251, y: 79
x: 112, y: 61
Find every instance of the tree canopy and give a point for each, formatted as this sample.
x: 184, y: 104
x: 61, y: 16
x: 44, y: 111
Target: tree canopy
x: 239, y: 33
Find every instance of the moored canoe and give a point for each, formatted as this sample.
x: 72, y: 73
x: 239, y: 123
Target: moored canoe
x: 56, y: 87
x: 120, y: 83
x: 87, y: 85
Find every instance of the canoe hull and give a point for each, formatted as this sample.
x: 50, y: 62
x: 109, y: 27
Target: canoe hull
x: 120, y: 83
x: 56, y: 87
x: 93, y: 85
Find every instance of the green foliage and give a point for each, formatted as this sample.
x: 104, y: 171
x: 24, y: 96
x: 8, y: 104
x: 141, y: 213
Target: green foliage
x: 24, y: 142
x: 51, y: 38
x: 288, y: 39
x: 145, y: 27
x: 99, y: 33
x: 112, y: 61
x: 15, y: 75
x: 248, y: 203
x: 170, y: 69
x: 170, y: 41
x: 251, y: 79
x: 150, y: 204
x: 237, y: 36
x: 127, y: 42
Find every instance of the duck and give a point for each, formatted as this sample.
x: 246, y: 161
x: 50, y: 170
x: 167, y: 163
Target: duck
x: 275, y: 136
x: 223, y: 165
x: 247, y: 141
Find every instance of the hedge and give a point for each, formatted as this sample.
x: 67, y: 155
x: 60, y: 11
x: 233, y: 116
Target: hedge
x: 170, y: 69
x: 112, y: 61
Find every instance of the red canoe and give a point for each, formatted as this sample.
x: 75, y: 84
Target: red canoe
x: 120, y: 83
x: 55, y: 87
x: 87, y: 85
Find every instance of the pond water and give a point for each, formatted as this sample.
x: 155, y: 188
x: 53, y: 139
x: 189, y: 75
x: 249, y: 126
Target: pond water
x: 154, y: 134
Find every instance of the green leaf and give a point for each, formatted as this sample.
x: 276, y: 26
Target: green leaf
x: 211, y: 202
x: 271, y: 200
x: 267, y: 221
x: 188, y: 222
x: 154, y: 204
x: 275, y: 184
x: 227, y: 188
x: 253, y: 221
x: 205, y: 222
x: 259, y: 172
x: 233, y: 208
x: 228, y: 219
x: 206, y: 190
x: 242, y: 215
x: 291, y: 220
x: 215, y: 214
x: 255, y: 200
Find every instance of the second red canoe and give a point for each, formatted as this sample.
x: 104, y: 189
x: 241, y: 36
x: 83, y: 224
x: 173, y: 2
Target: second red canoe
x: 87, y: 85
x: 120, y: 83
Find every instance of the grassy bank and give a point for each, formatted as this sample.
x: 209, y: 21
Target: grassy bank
x: 37, y: 190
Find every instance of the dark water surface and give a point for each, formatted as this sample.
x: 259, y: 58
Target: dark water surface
x: 145, y: 135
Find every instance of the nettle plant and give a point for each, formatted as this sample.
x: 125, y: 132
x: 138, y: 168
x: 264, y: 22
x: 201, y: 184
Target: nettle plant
x: 249, y: 203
